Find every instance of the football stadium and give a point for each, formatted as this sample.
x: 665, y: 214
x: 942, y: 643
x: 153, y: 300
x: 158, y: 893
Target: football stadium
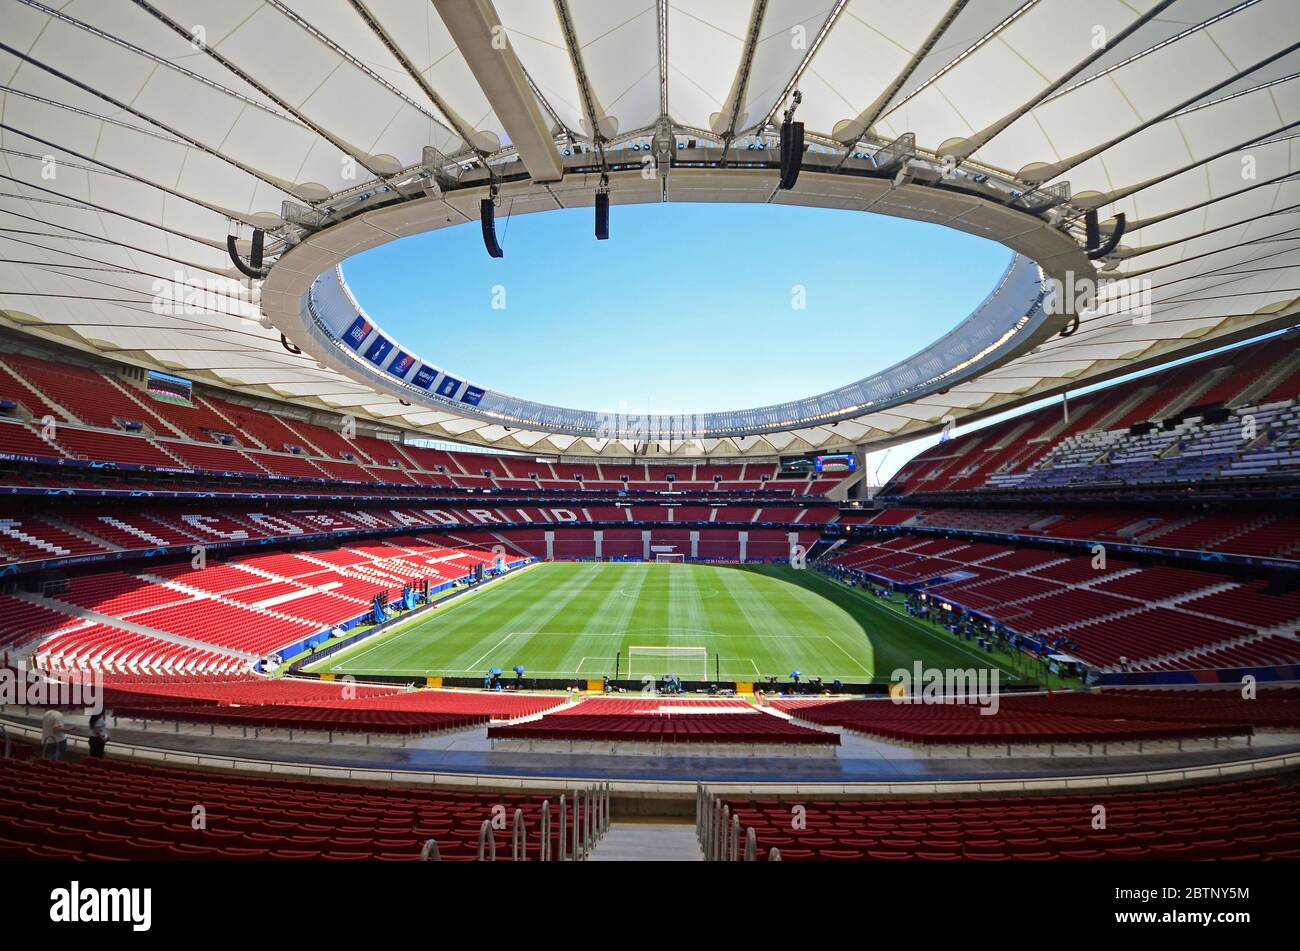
x: 949, y: 510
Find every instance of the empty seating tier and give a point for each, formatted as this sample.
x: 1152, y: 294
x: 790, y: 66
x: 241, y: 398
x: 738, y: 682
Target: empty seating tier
x: 740, y: 728
x: 654, y: 720
x: 107, y: 810
x: 1245, y: 820
x: 1060, y: 718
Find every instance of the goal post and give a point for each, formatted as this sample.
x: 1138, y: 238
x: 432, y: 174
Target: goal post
x: 689, y: 663
x: 670, y: 558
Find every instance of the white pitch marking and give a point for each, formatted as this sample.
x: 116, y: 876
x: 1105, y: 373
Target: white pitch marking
x: 474, y: 666
x: 917, y: 624
x: 846, y: 653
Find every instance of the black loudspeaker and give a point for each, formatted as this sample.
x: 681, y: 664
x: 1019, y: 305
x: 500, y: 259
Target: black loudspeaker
x: 1096, y: 248
x: 487, y: 216
x: 255, y: 257
x: 1092, y: 229
x: 602, y: 216
x: 791, y: 153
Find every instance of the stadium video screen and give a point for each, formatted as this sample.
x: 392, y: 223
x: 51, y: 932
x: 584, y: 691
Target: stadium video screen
x: 835, y: 462
x: 795, y: 467
x: 813, y: 463
x: 164, y: 386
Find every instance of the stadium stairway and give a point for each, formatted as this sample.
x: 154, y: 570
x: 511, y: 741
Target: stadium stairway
x: 648, y: 842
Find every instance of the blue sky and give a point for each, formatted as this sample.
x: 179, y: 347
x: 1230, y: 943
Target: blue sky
x: 687, y: 308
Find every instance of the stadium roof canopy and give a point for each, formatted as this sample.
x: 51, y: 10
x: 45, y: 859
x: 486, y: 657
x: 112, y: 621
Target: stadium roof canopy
x: 137, y: 135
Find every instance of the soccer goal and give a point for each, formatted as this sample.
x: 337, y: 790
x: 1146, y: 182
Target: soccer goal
x: 689, y: 663
x: 672, y: 558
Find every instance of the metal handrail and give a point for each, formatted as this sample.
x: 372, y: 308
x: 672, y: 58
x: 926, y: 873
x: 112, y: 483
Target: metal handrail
x: 587, y: 809
x: 774, y: 855
x: 577, y: 811
x: 486, y: 837
x: 733, y: 851
x: 545, y: 853
x: 8, y: 744
x: 706, y: 824
x: 564, y: 822
x: 429, y: 851
x: 751, y: 845
x: 715, y: 837
x: 519, y: 838
x: 710, y: 804
x: 715, y: 823
x: 723, y: 831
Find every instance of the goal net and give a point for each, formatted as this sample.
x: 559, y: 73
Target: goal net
x: 664, y: 556
x: 688, y: 663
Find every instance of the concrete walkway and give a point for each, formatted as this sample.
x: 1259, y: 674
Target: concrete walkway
x: 648, y: 842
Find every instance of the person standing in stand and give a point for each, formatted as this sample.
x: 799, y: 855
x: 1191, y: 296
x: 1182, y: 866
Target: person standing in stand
x: 54, y: 742
x: 98, y: 734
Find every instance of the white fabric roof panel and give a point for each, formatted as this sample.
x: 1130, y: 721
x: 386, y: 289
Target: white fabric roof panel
x: 971, y: 26
x: 1137, y: 93
x: 537, y: 39
x: 785, y: 37
x: 618, y: 43
x: 705, y: 41
x: 836, y: 87
x: 304, y: 101
x: 421, y: 36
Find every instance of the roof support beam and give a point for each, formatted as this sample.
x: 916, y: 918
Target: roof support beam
x: 848, y: 134
x: 1283, y: 237
x: 1156, y: 219
x: 454, y: 120
x: 107, y: 169
x: 75, y: 234
x: 155, y: 58
x: 804, y: 63
x: 664, y: 141
x: 1097, y: 199
x: 365, y: 161
x: 477, y: 32
x: 285, y: 188
x: 116, y: 268
x: 1040, y: 172
x: 964, y: 148
x: 661, y: 24
x: 598, y: 125
x: 724, y: 123
x: 85, y: 204
x: 1184, y: 239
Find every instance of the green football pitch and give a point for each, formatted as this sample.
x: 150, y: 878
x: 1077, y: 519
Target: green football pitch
x: 572, y: 619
